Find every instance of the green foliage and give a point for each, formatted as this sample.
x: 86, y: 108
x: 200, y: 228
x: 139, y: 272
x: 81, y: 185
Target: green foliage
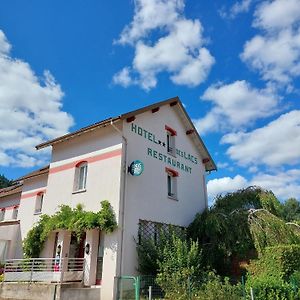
x: 76, y: 220
x: 4, y: 182
x: 266, y: 287
x: 268, y: 230
x: 291, y: 210
x: 181, y: 263
x: 279, y: 261
x: 216, y: 288
x: 148, y: 255
x: 238, y: 224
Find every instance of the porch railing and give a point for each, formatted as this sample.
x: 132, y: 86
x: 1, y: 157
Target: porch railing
x: 44, y: 270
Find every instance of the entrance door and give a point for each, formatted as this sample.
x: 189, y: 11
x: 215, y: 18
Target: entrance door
x: 77, y: 246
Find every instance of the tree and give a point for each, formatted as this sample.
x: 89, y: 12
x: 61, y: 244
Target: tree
x: 224, y: 230
x: 4, y: 182
x: 291, y: 210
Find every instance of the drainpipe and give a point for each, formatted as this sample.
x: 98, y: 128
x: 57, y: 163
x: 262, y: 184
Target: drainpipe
x: 123, y: 193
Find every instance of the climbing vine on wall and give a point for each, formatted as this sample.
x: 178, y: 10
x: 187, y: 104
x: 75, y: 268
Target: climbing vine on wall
x: 76, y: 220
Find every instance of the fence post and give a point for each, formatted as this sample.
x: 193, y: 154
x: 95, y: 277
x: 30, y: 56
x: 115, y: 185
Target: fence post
x: 31, y: 271
x: 251, y: 293
x: 137, y: 288
x: 150, y: 292
x: 243, y: 285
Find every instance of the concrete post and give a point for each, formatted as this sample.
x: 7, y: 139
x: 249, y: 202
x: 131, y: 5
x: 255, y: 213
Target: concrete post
x: 92, y: 239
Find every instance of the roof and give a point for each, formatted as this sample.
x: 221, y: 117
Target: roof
x: 36, y: 173
x: 174, y: 102
x: 11, y: 190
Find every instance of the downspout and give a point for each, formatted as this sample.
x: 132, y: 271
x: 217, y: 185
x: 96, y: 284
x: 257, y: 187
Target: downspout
x: 123, y: 193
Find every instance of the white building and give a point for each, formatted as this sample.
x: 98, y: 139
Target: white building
x: 91, y: 165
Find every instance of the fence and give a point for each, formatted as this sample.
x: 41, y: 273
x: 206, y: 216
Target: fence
x: 44, y: 270
x: 146, y: 288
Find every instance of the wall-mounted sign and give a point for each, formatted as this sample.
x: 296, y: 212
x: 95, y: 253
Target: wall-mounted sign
x: 136, y: 168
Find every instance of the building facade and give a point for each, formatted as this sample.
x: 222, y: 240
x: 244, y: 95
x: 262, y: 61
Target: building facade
x: 150, y: 164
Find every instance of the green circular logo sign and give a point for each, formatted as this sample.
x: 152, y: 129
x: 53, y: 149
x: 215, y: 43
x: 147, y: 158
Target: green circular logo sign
x: 136, y: 168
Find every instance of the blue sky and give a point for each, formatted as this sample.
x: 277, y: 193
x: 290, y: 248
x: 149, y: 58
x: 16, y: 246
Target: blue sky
x: 234, y: 64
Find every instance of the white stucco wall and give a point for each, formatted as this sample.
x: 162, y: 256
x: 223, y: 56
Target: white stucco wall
x: 146, y: 195
x: 27, y: 216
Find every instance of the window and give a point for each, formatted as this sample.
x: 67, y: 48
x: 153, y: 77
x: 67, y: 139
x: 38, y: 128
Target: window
x: 39, y: 203
x: 171, y: 133
x: 80, y: 176
x: 172, y: 183
x: 2, y: 214
x: 15, y: 212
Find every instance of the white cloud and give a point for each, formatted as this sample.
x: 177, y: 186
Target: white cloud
x: 236, y: 9
x: 236, y: 105
x: 276, y: 52
x: 123, y: 77
x: 149, y: 15
x: 179, y: 51
x: 225, y: 185
x: 275, y: 144
x: 30, y: 110
x: 284, y: 185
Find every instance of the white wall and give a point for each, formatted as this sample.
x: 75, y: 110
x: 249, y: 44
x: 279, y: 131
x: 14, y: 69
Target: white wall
x: 27, y: 216
x: 146, y: 195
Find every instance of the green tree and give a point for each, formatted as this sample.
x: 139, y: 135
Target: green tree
x: 224, y: 230
x: 291, y: 210
x: 4, y: 182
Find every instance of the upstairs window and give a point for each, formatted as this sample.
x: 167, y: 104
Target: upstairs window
x: 2, y: 214
x: 80, y: 176
x: 172, y: 183
x: 171, y: 133
x: 39, y: 203
x: 15, y: 213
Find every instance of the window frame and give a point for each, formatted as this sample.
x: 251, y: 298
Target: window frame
x: 171, y: 145
x: 15, y: 212
x: 2, y: 214
x: 39, y: 203
x: 80, y: 180
x: 172, y: 183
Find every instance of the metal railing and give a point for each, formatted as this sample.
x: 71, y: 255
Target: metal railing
x: 44, y: 270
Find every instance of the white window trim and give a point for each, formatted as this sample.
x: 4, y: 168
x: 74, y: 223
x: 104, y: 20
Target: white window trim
x: 172, y: 180
x: 39, y: 203
x: 80, y: 186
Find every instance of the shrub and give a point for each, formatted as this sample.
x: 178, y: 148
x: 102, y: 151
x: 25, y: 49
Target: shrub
x: 216, y: 288
x: 266, y: 287
x: 278, y: 261
x: 180, y: 265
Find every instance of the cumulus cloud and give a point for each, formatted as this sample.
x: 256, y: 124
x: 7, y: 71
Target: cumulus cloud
x: 276, y: 52
x: 275, y: 144
x: 179, y: 50
x: 236, y: 105
x: 284, y: 184
x: 30, y: 110
x: 225, y: 185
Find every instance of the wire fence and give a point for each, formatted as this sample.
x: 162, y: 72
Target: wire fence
x: 146, y: 288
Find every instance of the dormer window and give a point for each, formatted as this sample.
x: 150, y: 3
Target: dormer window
x: 39, y: 203
x: 171, y: 133
x: 80, y: 176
